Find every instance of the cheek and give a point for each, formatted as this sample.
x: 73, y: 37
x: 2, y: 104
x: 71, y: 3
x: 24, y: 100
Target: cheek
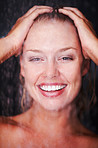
x: 73, y: 78
x: 72, y: 72
x: 32, y: 73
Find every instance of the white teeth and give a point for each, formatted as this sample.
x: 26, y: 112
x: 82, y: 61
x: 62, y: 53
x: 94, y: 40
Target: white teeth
x: 52, y: 87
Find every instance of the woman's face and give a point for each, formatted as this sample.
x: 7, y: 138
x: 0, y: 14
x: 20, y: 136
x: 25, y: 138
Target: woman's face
x: 52, y: 64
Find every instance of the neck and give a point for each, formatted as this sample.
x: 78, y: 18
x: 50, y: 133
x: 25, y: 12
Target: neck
x: 55, y: 122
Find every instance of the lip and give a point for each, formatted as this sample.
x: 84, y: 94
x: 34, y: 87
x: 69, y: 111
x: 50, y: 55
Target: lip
x: 55, y: 93
x: 51, y: 84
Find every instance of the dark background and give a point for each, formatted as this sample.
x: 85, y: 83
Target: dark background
x: 10, y: 88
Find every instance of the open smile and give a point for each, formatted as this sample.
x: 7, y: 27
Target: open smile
x: 52, y: 89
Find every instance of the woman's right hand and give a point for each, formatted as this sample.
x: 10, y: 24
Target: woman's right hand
x: 12, y: 43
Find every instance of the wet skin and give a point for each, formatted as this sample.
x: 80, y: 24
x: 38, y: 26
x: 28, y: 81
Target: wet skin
x: 52, y: 56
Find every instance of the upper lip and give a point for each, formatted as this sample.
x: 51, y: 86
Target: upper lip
x: 47, y: 84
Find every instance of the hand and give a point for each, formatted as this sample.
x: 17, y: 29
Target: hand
x: 23, y: 24
x: 12, y: 43
x: 87, y: 35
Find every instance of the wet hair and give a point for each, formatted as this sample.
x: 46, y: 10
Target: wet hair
x: 87, y: 91
x: 54, y: 15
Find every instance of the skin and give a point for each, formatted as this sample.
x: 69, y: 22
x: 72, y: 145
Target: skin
x: 51, y: 68
x: 12, y: 43
x: 50, y: 122
x: 88, y: 37
x: 58, y: 114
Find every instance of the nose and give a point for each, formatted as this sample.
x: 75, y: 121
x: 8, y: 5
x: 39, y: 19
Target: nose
x: 51, y: 70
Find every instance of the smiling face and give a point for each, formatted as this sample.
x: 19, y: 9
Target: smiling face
x: 51, y: 64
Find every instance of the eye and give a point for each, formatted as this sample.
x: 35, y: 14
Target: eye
x: 36, y: 59
x: 67, y: 58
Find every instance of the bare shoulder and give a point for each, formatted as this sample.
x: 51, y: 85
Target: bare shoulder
x: 90, y: 141
x: 83, y: 136
x: 88, y: 138
x: 9, y: 131
x: 8, y: 124
x: 15, y: 134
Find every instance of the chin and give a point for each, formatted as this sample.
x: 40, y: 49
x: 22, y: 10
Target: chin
x: 53, y: 106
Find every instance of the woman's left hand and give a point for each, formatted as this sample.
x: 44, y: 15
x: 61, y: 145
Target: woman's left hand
x: 88, y: 38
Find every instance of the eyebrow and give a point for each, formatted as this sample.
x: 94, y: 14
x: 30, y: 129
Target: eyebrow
x: 67, y: 48
x: 34, y: 50
x: 59, y: 50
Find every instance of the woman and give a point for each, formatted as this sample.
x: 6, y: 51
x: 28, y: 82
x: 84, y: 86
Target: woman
x: 52, y: 65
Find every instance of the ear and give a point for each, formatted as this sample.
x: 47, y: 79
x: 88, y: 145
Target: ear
x: 85, y: 67
x: 21, y: 66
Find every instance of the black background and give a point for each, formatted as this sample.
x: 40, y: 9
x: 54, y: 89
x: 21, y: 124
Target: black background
x: 10, y: 94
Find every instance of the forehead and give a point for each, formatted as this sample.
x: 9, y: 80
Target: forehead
x: 51, y: 34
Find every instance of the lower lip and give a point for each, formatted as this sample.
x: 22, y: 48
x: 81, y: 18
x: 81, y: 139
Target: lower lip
x: 51, y: 93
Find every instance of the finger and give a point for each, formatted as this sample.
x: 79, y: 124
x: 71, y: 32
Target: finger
x: 24, y: 25
x: 79, y: 13
x: 30, y: 17
x: 78, y: 21
x: 76, y: 11
x: 37, y: 12
x: 18, y: 52
x: 34, y: 8
x: 72, y: 15
x: 75, y: 14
